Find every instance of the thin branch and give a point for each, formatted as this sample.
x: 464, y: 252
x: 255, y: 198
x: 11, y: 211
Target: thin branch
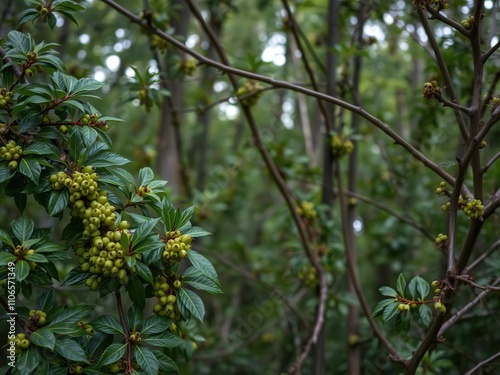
x: 490, y: 52
x: 290, y: 86
x: 490, y: 162
x: 450, y: 88
x: 455, y: 317
x: 123, y: 322
x: 482, y: 363
x: 467, y: 280
x: 456, y: 25
x: 483, y: 256
x: 448, y: 103
x: 490, y: 93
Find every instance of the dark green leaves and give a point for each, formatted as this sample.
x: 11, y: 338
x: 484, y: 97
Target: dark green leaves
x: 108, y: 324
x: 190, y: 304
x: 172, y: 217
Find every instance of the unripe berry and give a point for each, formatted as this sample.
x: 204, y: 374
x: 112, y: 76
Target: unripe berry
x: 177, y: 284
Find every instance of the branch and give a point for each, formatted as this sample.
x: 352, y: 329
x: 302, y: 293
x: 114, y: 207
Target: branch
x: 466, y: 308
x: 482, y: 363
x: 448, y: 103
x: 456, y: 25
x: 286, y: 85
x: 490, y: 93
x: 490, y: 52
x: 482, y: 257
x: 490, y: 163
x: 467, y: 280
x: 443, y: 67
x: 123, y: 322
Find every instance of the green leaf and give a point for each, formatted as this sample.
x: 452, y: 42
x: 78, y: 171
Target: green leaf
x: 72, y: 314
x: 30, y: 168
x: 28, y: 361
x: 165, y: 340
x: 112, y: 354
x: 203, y: 265
x: 67, y: 329
x: 143, y: 230
x: 423, y: 287
x: 146, y: 360
x: 108, y: 324
x: 22, y: 270
x: 155, y: 324
x: 403, y: 322
x: 390, y: 311
x: 43, y: 338
x: 37, y: 258
x: 71, y: 350
x: 170, y: 215
x: 134, y: 316
x: 144, y: 272
x: 58, y: 201
x: 6, y: 258
x: 196, y: 232
x: 166, y: 364
x: 76, y: 277
x: 146, y: 175
x: 186, y: 215
x: 379, y: 308
x: 194, y: 278
x: 401, y: 285
x: 425, y: 314
x: 4, y: 237
x: 136, y: 292
x: 190, y: 302
x: 412, y: 287
x: 387, y: 291
x: 23, y: 228
x: 45, y: 300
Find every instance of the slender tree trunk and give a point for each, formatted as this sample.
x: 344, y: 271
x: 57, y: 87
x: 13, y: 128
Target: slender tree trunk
x: 327, y: 195
x: 169, y: 147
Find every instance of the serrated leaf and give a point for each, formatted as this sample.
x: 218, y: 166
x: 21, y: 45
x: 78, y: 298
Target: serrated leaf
x: 189, y: 301
x: 203, y: 265
x: 165, y: 363
x: 43, y: 338
x: 165, y: 340
x: 108, y: 324
x: 387, y: 291
x: 71, y: 350
x: 146, y: 360
x: 30, y: 168
x: 28, y: 361
x: 401, y: 285
x: 112, y: 354
x: 155, y: 324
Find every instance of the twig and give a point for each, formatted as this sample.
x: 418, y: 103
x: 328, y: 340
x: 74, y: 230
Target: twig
x: 123, y: 322
x: 490, y: 52
x: 455, y: 317
x: 468, y: 281
x: 457, y: 26
x: 483, y: 256
x: 450, y: 88
x: 490, y: 93
x: 290, y: 86
x: 482, y: 363
x: 490, y: 162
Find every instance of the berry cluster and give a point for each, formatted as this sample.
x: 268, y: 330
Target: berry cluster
x: 431, y: 90
x: 38, y: 318
x: 93, y: 120
x: 249, y: 93
x: 86, y: 327
x: 21, y: 343
x: 121, y: 366
x: 5, y: 97
x: 341, y: 146
x: 165, y: 290
x: 12, y: 152
x: 188, y: 66
x: 473, y: 208
x: 307, y: 211
x: 176, y: 247
x: 100, y: 252
x: 308, y: 275
x: 406, y: 306
x: 441, y: 240
x: 438, y: 291
x: 437, y: 4
x: 75, y: 368
x: 159, y: 43
x: 467, y: 24
x: 20, y: 252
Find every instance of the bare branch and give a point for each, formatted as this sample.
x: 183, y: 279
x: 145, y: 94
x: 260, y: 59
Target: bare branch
x: 482, y: 363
